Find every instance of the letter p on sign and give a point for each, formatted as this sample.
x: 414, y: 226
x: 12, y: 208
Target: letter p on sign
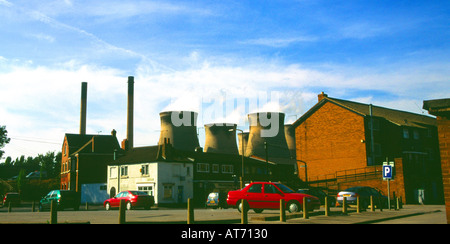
x: 387, y: 171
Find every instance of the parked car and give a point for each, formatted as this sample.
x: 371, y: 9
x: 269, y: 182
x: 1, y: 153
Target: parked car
x: 64, y: 199
x: 364, y: 193
x: 319, y: 194
x: 217, y: 200
x: 133, y: 199
x: 267, y: 195
x: 11, y: 197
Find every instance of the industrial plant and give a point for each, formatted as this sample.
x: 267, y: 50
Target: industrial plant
x: 336, y: 144
x: 177, y: 168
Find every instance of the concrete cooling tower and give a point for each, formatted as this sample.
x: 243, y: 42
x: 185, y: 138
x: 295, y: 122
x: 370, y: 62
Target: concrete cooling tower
x: 180, y: 129
x: 267, y: 127
x: 289, y: 131
x: 242, y: 136
x: 219, y: 138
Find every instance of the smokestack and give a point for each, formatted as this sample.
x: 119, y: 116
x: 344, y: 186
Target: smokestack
x: 289, y: 131
x: 130, y: 111
x: 267, y: 127
x: 83, y: 108
x: 219, y: 138
x: 179, y: 128
x: 242, y: 136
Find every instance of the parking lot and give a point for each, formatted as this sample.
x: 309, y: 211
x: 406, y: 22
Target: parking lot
x: 409, y: 214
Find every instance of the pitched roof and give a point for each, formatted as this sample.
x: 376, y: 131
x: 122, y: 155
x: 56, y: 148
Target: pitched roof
x: 91, y: 143
x: 437, y: 106
x: 398, y: 117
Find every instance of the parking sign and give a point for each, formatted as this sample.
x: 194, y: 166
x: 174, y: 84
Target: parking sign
x: 387, y: 171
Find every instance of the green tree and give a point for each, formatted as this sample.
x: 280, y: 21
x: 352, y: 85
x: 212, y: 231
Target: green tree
x: 3, y: 139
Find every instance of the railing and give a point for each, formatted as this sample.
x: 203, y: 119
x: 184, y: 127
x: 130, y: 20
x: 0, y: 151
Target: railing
x: 366, y: 173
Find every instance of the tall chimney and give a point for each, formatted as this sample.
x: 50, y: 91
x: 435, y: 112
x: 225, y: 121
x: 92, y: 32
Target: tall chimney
x: 83, y: 108
x: 130, y: 128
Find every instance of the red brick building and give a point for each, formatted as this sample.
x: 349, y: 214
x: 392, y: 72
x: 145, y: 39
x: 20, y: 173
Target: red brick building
x: 344, y: 143
x: 441, y: 109
x: 85, y: 158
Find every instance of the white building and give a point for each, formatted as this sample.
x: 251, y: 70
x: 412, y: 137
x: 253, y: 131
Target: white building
x: 169, y: 180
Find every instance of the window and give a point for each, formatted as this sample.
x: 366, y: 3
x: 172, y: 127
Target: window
x: 256, y: 188
x: 416, y: 134
x: 227, y: 169
x: 405, y: 133
x: 144, y: 170
x: 124, y: 171
x: 113, y: 172
x: 204, y: 168
x: 146, y: 188
x: 215, y: 168
x: 270, y: 189
x: 168, y: 190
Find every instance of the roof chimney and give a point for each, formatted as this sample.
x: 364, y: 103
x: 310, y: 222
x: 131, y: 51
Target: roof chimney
x: 322, y: 96
x: 83, y: 108
x: 130, y: 112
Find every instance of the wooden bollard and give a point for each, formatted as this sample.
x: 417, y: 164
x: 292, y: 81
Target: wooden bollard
x: 9, y: 207
x: 244, y: 217
x: 53, y: 212
x: 344, y: 205
x: 282, y: 211
x: 122, y: 213
x: 33, y: 206
x: 358, y: 205
x: 305, y: 209
x: 190, y: 218
x: 372, y: 204
x: 327, y: 207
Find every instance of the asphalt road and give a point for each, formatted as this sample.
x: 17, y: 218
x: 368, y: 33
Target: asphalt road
x: 409, y: 214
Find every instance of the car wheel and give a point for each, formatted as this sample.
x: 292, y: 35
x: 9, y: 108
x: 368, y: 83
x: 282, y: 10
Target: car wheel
x: 107, y: 206
x: 258, y: 210
x: 239, y: 206
x: 129, y: 206
x: 293, y: 207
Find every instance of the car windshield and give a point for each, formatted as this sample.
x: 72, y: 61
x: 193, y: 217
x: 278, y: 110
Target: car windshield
x: 284, y: 188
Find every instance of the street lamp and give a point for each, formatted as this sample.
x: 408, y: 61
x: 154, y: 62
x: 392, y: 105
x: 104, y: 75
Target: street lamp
x: 243, y: 153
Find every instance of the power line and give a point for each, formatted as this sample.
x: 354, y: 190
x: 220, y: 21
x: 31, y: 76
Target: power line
x: 35, y: 140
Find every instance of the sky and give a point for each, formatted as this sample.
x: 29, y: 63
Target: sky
x: 198, y: 55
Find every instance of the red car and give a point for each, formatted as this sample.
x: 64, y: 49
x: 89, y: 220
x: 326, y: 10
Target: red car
x: 133, y: 199
x: 267, y: 195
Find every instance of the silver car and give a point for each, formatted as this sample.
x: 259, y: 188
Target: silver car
x: 364, y: 193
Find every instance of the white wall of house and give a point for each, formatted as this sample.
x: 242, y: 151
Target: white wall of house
x: 168, y: 182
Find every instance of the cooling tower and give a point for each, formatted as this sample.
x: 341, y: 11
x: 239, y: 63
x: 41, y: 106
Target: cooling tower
x: 219, y: 138
x: 289, y: 131
x: 267, y: 127
x: 242, y: 136
x: 180, y: 129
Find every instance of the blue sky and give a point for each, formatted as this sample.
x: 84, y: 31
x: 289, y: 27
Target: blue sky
x: 186, y: 54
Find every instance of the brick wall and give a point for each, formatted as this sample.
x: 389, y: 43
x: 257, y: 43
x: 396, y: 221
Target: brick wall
x: 397, y: 185
x: 444, y: 145
x: 330, y: 140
